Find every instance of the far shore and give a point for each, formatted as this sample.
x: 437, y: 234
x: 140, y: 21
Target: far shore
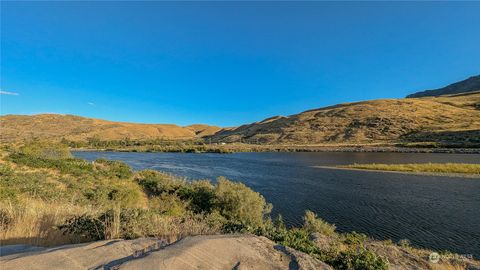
x: 238, y: 148
x: 464, y: 175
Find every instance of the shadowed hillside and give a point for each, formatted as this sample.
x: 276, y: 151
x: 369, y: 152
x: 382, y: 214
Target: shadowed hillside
x: 48, y: 126
x: 386, y: 120
x: 469, y: 85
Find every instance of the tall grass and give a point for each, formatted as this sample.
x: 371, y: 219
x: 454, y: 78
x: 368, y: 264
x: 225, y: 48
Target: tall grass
x: 35, y: 222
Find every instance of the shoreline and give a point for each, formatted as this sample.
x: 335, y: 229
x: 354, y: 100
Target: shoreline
x: 463, y: 175
x: 225, y: 149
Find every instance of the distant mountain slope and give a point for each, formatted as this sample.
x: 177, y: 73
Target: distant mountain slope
x: 469, y: 85
x: 383, y: 120
x: 450, y: 118
x: 19, y: 127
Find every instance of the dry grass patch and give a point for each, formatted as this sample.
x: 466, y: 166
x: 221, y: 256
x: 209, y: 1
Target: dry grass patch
x: 420, y: 167
x: 35, y: 222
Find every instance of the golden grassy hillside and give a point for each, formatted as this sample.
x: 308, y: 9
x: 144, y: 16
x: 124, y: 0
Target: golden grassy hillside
x: 454, y: 118
x: 51, y: 126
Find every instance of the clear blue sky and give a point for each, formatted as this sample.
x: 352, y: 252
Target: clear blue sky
x: 227, y: 63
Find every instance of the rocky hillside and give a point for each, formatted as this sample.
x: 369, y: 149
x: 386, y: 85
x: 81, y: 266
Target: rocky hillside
x: 469, y: 85
x: 54, y: 126
x: 454, y: 118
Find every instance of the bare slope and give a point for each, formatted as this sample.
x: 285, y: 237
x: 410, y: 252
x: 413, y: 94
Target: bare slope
x: 454, y: 118
x: 469, y: 85
x: 19, y: 127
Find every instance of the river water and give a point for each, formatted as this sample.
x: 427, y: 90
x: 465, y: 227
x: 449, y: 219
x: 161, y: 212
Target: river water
x: 437, y: 212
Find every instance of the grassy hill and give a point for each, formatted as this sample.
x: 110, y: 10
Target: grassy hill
x: 469, y: 85
x: 449, y: 120
x: 454, y: 119
x: 54, y: 126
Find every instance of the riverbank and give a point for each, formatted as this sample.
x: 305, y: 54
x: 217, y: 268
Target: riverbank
x: 236, y: 148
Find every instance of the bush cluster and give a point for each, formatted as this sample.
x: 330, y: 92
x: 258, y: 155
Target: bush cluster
x: 348, y: 251
x: 113, y: 223
x: 233, y: 201
x: 312, y: 223
x: 46, y: 150
x: 149, y: 145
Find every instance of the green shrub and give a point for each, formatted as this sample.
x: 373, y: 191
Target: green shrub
x: 299, y: 239
x: 356, y: 257
x: 111, y: 168
x: 34, y: 184
x: 71, y: 166
x: 155, y: 183
x: 354, y: 238
x: 125, y: 223
x: 57, y: 156
x: 46, y: 150
x: 235, y: 226
x: 278, y: 223
x: 237, y: 202
x: 7, y: 193
x: 296, y: 238
x: 97, y: 196
x: 405, y: 243
x: 169, y: 204
x: 78, y: 181
x: 5, y: 170
x: 123, y: 196
x: 359, y: 259
x: 200, y: 195
x: 312, y: 224
x: 84, y: 226
x: 113, y: 223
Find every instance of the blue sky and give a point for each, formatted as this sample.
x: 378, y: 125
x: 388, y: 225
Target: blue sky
x: 227, y: 63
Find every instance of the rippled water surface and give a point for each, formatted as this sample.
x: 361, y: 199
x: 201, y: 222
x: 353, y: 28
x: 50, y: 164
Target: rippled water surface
x: 431, y: 211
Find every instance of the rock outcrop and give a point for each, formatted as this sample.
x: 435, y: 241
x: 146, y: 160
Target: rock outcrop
x: 197, y: 252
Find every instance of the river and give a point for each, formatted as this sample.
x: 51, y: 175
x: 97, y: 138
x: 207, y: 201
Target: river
x: 437, y: 212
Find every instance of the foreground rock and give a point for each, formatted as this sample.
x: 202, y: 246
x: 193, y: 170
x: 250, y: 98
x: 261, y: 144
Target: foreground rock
x: 198, y: 252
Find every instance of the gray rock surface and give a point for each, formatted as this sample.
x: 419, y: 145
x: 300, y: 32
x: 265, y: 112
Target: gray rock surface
x: 197, y: 252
